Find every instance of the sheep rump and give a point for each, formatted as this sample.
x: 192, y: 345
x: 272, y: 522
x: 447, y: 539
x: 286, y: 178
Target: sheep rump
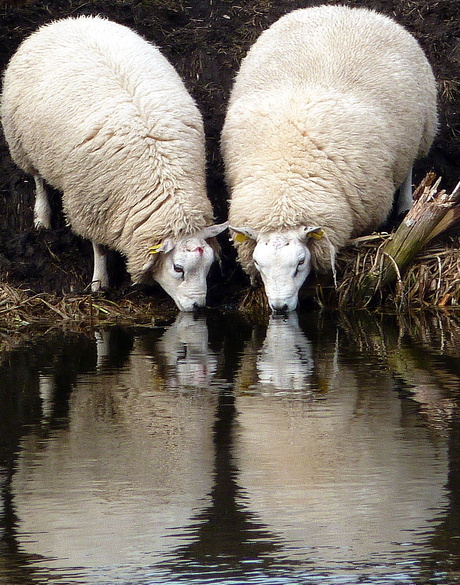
x: 101, y: 115
x: 329, y: 110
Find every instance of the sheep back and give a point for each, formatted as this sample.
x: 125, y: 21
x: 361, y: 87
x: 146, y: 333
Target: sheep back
x: 102, y: 116
x: 329, y: 110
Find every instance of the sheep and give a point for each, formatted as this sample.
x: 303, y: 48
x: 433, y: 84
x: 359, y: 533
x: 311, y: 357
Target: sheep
x: 328, y: 112
x: 100, y: 114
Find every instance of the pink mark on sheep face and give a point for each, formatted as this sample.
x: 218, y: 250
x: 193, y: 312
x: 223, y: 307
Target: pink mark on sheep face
x: 200, y: 250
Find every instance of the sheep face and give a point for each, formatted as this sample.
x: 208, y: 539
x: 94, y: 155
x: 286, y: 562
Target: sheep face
x: 283, y: 260
x: 183, y: 268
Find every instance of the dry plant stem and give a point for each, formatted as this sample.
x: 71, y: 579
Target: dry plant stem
x: 432, y: 213
x: 255, y: 300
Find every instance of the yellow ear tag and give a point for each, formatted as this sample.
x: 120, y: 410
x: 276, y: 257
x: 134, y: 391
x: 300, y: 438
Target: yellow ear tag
x: 317, y: 235
x: 155, y: 249
x: 239, y: 237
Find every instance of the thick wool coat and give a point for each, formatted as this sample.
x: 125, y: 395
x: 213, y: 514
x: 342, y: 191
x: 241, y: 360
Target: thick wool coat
x: 330, y: 109
x: 101, y: 115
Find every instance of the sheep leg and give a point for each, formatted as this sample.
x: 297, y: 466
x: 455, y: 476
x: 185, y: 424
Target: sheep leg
x: 42, y: 209
x: 100, y: 278
x: 405, y: 199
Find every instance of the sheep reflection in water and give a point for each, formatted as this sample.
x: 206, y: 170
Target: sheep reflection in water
x: 188, y: 359
x: 308, y: 462
x: 134, y: 460
x: 285, y: 359
x: 278, y: 358
x: 340, y: 473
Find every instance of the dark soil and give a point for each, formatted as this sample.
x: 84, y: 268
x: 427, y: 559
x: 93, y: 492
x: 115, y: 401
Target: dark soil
x: 205, y: 40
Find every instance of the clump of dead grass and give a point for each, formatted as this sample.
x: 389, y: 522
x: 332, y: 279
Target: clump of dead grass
x: 255, y: 301
x: 431, y: 280
x: 22, y: 307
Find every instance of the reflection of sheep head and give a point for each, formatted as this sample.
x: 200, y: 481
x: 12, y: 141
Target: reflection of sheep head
x: 283, y: 361
x: 117, y: 132
x: 184, y: 352
x: 180, y: 359
x: 330, y: 109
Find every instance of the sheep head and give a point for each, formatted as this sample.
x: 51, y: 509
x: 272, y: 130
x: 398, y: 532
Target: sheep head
x: 283, y: 260
x: 183, y: 266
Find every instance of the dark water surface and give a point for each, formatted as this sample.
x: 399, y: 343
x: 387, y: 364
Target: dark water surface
x: 307, y: 450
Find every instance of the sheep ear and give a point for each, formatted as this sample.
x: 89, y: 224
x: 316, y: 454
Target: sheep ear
x: 306, y: 232
x: 213, y: 230
x: 165, y: 247
x: 244, y: 233
x: 148, y: 265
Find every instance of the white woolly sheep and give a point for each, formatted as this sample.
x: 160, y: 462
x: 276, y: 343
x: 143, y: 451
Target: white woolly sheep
x: 331, y: 107
x: 99, y: 113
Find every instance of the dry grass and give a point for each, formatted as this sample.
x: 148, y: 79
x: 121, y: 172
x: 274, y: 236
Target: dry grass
x: 255, y: 301
x: 19, y: 308
x: 431, y: 280
x: 25, y: 314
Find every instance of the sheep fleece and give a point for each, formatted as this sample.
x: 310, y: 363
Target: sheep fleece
x: 328, y: 112
x: 101, y: 115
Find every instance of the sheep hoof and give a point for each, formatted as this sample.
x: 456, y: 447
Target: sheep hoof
x: 42, y: 223
x: 96, y: 286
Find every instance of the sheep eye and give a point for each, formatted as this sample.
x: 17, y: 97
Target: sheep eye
x: 300, y: 263
x: 178, y: 268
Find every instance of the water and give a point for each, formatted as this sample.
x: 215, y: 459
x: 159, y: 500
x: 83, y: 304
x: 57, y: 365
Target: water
x: 219, y: 450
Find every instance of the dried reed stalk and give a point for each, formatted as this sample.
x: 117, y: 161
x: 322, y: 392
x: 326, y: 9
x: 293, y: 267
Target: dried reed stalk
x: 255, y: 300
x: 433, y: 212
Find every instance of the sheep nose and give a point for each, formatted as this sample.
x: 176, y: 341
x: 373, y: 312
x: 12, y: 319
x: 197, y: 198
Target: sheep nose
x: 196, y: 307
x: 281, y: 310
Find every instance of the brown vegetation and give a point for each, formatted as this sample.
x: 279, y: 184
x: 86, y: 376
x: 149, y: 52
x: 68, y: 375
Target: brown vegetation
x: 429, y: 278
